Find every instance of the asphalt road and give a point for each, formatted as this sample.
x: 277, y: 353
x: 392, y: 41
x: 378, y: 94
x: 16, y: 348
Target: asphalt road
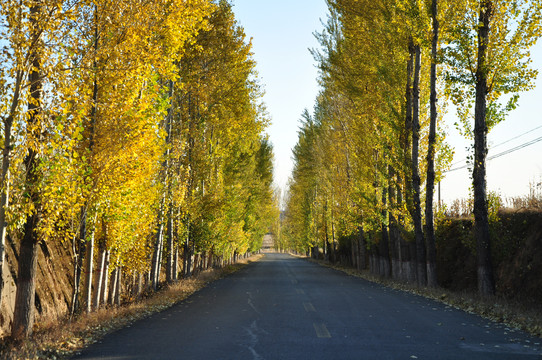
x: 287, y: 308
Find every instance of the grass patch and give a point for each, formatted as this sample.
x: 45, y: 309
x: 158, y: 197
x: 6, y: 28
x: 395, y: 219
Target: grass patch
x: 63, y: 339
x: 515, y: 314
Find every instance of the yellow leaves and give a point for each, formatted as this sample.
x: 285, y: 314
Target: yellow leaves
x: 221, y: 136
x: 102, y: 118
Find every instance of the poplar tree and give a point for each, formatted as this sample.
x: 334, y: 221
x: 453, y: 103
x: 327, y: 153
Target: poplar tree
x: 488, y: 57
x: 366, y: 139
x: 23, y: 318
x: 429, y: 189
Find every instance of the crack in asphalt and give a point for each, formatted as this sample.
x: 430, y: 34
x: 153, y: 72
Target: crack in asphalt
x: 253, y: 333
x: 251, y: 304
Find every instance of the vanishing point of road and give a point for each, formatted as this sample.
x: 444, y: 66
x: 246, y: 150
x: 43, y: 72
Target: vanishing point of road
x: 283, y: 307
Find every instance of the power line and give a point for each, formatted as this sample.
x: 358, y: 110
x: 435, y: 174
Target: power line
x: 515, y: 137
x: 519, y: 147
x: 494, y: 146
x: 506, y: 152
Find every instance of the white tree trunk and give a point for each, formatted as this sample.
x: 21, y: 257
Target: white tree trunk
x: 118, y: 292
x: 99, y: 281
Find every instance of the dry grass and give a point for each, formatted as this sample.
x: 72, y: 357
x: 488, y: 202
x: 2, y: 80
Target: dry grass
x: 514, y: 314
x: 463, y: 208
x: 62, y: 339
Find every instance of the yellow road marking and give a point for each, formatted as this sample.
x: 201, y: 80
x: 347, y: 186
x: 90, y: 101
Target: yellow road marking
x: 309, y: 307
x: 321, y: 330
x: 299, y: 291
x: 294, y: 281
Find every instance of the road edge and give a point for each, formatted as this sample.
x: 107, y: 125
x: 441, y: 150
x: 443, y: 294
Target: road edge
x: 64, y: 339
x: 517, y: 316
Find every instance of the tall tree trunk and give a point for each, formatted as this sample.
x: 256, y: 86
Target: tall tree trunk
x: 105, y: 279
x: 6, y: 163
x: 99, y: 280
x: 188, y: 252
x: 383, y: 245
x: 374, y: 257
x: 139, y: 287
x: 375, y: 248
x: 401, y: 243
x: 486, y: 284
x: 404, y: 193
x: 178, y: 261
x: 79, y: 247
x: 191, y: 179
x: 353, y: 253
x: 4, y: 202
x: 159, y: 243
x: 23, y: 317
x: 113, y: 287
x: 160, y: 258
x: 171, y: 245
x: 118, y: 292
x: 185, y: 248
x: 407, y: 134
x: 197, y: 262
x: 89, y: 270
x: 430, y: 186
x: 392, y: 227
x: 76, y: 277
x: 93, y: 119
x: 191, y: 257
x: 333, y: 241
x: 362, y: 249
x: 98, y: 286
x: 417, y: 211
x: 176, y: 264
x: 156, y: 256
x: 82, y: 244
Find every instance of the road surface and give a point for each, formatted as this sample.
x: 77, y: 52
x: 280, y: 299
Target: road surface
x: 288, y: 308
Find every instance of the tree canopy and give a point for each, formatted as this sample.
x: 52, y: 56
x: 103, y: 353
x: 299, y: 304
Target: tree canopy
x: 135, y: 126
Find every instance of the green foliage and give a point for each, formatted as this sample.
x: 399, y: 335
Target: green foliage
x: 515, y: 27
x: 228, y: 196
x: 353, y: 150
x: 352, y: 160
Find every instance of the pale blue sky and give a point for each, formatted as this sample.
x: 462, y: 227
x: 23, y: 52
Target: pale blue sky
x: 282, y: 32
x: 509, y: 175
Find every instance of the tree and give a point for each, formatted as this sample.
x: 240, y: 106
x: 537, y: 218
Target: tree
x: 370, y: 137
x: 23, y: 317
x: 19, y: 72
x: 218, y: 100
x: 429, y: 189
x: 300, y: 213
x: 416, y: 211
x: 487, y: 57
x: 117, y: 132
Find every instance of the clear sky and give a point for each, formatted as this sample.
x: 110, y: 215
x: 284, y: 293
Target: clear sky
x: 282, y: 33
x: 510, y: 175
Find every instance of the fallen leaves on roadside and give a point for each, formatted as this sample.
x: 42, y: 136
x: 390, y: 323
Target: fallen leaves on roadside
x: 64, y: 339
x: 527, y: 317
